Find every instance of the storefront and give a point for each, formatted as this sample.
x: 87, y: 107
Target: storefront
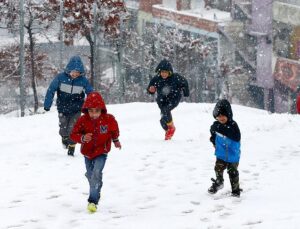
x: 287, y: 82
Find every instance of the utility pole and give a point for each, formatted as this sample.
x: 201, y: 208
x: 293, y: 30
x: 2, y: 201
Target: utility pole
x: 120, y: 51
x: 61, y: 33
x: 93, y: 78
x: 21, y: 59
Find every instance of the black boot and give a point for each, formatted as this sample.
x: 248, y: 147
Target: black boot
x: 236, y: 192
x: 216, y: 186
x: 71, y: 149
x: 65, y: 142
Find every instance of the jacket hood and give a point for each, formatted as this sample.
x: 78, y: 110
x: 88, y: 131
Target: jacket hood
x: 75, y: 64
x: 223, y: 107
x: 164, y: 65
x: 94, y: 100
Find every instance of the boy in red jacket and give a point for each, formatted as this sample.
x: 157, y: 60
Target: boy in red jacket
x: 95, y: 130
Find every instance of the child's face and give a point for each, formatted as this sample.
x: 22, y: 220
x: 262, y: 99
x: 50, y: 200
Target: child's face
x: 94, y: 113
x: 164, y: 74
x: 222, y: 118
x: 74, y: 74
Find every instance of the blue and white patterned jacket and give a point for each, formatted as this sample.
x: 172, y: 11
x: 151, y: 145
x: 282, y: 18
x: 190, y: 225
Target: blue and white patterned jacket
x: 70, y: 92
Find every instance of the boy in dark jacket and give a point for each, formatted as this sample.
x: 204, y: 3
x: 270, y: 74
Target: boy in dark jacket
x: 95, y: 131
x: 71, y: 87
x: 225, y: 136
x: 169, y: 87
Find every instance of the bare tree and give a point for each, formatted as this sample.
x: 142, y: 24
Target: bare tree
x: 89, y: 17
x: 10, y: 67
x: 37, y: 19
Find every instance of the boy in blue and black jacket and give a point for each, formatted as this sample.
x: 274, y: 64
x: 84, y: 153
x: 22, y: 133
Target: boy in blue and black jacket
x: 71, y: 87
x: 225, y: 136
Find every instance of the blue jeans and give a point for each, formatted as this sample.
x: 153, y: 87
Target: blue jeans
x: 94, y: 169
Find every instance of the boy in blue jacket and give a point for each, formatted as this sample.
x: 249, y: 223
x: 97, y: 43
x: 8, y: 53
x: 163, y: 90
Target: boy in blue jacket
x: 71, y: 87
x: 225, y: 136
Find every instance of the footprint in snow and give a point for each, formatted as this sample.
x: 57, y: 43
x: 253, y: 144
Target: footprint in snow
x: 205, y: 219
x: 145, y: 207
x: 225, y: 214
x: 218, y: 208
x: 53, y: 197
x: 295, y: 153
x: 16, y: 201
x: 188, y: 211
x: 195, y: 202
x: 150, y: 198
x: 15, y: 226
x: 253, y: 222
x: 147, y: 164
x: 118, y: 216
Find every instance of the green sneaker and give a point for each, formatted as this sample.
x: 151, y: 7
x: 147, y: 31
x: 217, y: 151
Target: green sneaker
x: 92, y: 207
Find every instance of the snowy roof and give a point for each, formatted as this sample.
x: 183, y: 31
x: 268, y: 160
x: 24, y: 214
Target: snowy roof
x: 200, y: 12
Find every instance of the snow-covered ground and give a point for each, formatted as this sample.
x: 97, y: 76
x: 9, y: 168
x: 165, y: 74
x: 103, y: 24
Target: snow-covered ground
x: 152, y: 183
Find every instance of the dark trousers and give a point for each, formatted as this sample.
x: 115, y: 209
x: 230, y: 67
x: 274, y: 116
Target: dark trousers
x: 232, y: 170
x: 165, y: 111
x: 66, y: 123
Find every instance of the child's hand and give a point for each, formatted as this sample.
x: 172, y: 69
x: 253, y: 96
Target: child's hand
x: 87, y: 137
x: 152, y: 89
x: 118, y: 144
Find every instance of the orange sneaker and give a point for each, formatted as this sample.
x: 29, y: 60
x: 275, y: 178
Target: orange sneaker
x: 170, y: 132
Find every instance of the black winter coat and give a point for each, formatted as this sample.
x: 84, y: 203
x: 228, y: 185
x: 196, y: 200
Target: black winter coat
x: 169, y: 90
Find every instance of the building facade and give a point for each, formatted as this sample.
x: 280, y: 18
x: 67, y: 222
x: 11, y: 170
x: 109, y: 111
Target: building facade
x: 286, y: 54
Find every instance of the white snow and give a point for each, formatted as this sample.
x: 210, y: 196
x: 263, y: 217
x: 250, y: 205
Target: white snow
x: 152, y: 183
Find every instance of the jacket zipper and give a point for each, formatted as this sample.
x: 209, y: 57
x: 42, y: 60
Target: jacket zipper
x: 94, y: 134
x: 226, y: 150
x: 105, y: 147
x: 72, y: 87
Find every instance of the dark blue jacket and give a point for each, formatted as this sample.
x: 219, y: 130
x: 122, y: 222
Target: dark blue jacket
x: 226, y: 137
x: 70, y: 92
x: 169, y: 90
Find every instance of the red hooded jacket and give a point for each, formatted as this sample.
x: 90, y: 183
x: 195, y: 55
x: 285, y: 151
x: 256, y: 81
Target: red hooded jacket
x: 104, y: 129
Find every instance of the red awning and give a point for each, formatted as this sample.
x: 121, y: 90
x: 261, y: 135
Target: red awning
x: 287, y: 72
